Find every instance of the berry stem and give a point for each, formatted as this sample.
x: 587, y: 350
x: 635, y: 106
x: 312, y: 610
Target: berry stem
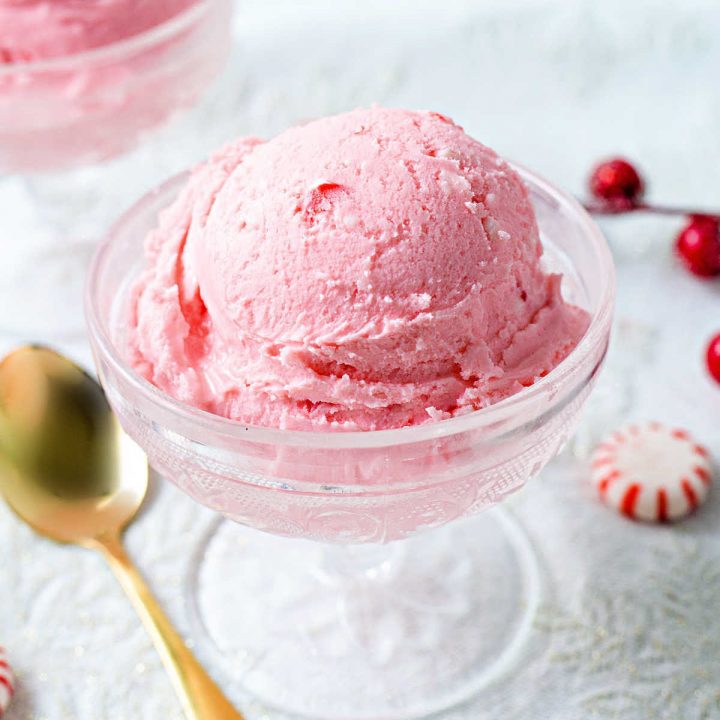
x: 609, y: 208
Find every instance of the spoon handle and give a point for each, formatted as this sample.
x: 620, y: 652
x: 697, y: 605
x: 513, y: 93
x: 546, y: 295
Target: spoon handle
x: 201, y: 697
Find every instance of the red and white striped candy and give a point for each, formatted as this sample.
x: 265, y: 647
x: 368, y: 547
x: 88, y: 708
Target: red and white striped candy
x: 651, y: 472
x: 7, y: 682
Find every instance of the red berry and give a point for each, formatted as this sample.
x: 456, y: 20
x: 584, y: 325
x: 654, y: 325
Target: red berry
x: 698, y: 246
x: 712, y: 357
x: 616, y: 181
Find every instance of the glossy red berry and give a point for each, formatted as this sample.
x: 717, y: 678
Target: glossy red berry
x: 698, y: 246
x: 712, y: 357
x: 616, y: 181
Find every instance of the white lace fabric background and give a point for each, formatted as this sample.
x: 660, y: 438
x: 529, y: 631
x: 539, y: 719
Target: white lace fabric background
x: 629, y: 627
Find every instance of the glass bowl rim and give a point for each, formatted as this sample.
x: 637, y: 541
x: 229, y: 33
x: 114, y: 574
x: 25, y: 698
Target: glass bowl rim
x: 119, y: 49
x: 575, y: 361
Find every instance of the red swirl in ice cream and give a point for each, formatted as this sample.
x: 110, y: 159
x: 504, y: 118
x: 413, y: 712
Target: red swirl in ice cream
x: 43, y: 29
x: 364, y: 271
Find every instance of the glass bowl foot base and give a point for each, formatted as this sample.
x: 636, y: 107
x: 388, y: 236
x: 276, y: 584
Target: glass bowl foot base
x: 393, y: 631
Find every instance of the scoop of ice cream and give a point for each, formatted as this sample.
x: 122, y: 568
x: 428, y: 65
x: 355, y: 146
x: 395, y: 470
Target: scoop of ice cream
x: 44, y: 29
x: 370, y: 270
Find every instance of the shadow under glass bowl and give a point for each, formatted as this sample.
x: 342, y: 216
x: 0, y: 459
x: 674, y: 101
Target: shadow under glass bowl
x: 356, y: 626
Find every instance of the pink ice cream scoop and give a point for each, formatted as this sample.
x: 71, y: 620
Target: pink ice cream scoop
x: 370, y: 270
x: 43, y: 29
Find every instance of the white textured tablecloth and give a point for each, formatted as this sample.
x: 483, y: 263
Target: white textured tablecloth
x: 629, y: 626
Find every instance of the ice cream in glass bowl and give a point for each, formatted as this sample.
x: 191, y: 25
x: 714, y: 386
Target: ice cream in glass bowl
x: 82, y: 83
x: 356, y: 337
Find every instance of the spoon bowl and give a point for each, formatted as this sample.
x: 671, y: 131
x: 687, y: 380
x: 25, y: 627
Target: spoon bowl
x: 68, y: 470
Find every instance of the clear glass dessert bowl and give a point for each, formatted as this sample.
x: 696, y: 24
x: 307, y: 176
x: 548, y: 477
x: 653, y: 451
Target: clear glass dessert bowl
x: 399, y: 608
x: 61, y: 122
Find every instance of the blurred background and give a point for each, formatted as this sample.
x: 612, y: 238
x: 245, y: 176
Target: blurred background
x: 552, y: 84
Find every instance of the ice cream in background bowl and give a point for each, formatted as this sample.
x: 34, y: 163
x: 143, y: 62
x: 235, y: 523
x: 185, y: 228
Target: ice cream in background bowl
x: 80, y: 81
x: 362, y: 329
x: 32, y: 30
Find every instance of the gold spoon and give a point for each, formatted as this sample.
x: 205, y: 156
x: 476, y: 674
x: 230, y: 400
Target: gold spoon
x: 68, y: 470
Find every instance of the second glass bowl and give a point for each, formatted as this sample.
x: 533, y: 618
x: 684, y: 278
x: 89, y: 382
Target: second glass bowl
x: 88, y: 107
x: 61, y: 121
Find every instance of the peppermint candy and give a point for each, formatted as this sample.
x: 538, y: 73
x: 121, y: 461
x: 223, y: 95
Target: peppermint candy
x: 7, y: 682
x: 651, y: 472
